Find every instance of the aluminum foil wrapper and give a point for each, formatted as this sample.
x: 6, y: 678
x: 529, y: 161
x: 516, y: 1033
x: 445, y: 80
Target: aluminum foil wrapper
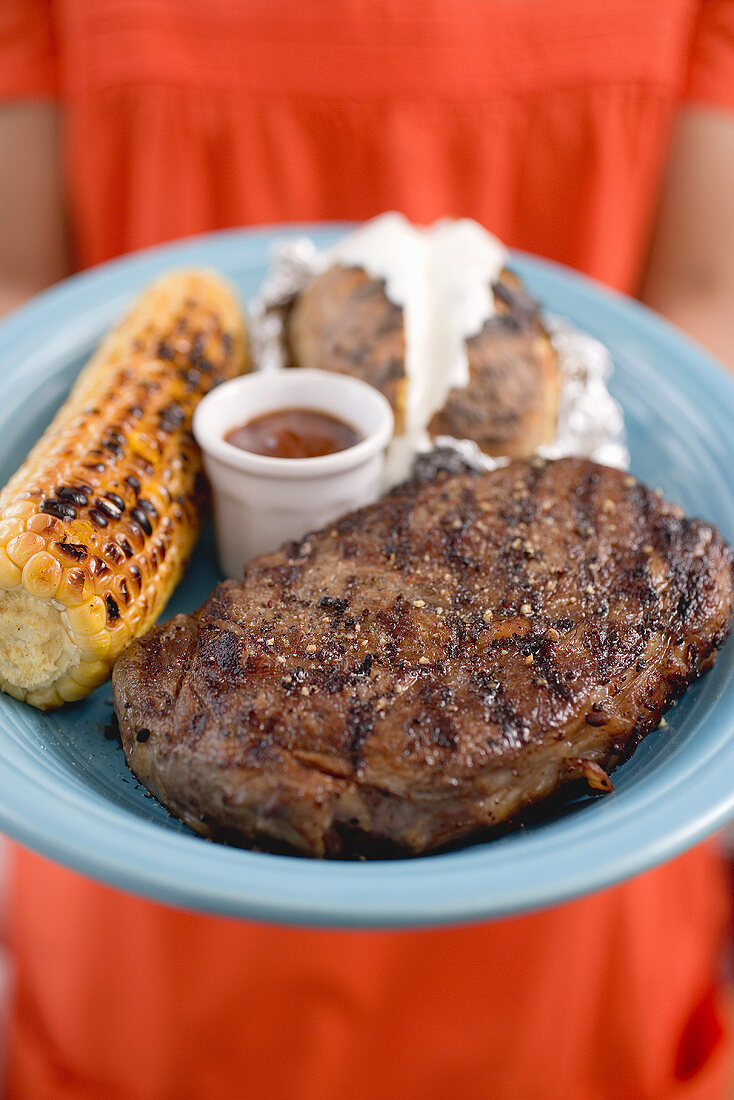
x: 293, y: 264
x: 590, y: 420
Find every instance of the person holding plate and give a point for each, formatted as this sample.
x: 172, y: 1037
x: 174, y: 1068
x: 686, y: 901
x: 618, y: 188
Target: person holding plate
x: 601, y: 136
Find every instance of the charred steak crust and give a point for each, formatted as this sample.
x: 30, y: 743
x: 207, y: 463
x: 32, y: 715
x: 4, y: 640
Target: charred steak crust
x: 430, y: 665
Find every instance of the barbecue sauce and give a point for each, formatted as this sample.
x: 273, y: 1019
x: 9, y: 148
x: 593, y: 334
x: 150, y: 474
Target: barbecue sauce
x: 294, y: 433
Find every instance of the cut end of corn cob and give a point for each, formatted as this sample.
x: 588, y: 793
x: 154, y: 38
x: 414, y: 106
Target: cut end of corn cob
x: 37, y: 649
x: 96, y: 526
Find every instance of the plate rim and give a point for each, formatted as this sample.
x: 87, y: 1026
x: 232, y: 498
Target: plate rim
x: 260, y: 900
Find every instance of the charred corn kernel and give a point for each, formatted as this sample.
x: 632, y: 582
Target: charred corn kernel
x: 97, y: 523
x: 157, y: 499
x: 24, y: 546
x: 122, y: 594
x: 75, y: 588
x: 41, y: 575
x: 9, y: 572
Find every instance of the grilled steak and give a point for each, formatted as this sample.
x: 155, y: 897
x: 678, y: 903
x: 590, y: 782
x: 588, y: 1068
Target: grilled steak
x: 430, y: 665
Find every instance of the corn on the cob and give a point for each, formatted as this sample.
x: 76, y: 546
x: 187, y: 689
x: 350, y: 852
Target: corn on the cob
x: 97, y: 524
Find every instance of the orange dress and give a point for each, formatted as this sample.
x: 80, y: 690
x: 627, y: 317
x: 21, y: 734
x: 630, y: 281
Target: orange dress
x: 549, y: 121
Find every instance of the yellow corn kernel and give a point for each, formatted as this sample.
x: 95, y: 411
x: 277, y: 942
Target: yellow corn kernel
x: 144, y: 446
x: 23, y: 547
x: 12, y: 689
x: 9, y: 528
x: 90, y: 673
x: 87, y: 619
x: 94, y: 647
x: 69, y: 690
x: 23, y: 510
x: 41, y: 524
x: 45, y: 697
x: 120, y: 635
x: 41, y: 575
x: 80, y: 531
x: 9, y: 573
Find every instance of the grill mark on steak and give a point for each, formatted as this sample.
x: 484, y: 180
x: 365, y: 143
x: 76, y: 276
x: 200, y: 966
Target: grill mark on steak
x: 518, y: 551
x: 501, y: 714
x: 344, y: 699
x: 222, y: 653
x: 360, y: 724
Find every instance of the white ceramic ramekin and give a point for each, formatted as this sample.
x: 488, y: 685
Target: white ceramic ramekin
x: 260, y: 502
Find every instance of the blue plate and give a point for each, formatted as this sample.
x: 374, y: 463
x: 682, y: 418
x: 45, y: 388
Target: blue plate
x: 66, y: 792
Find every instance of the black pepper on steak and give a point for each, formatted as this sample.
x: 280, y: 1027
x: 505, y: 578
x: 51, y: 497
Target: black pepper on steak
x: 529, y: 627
